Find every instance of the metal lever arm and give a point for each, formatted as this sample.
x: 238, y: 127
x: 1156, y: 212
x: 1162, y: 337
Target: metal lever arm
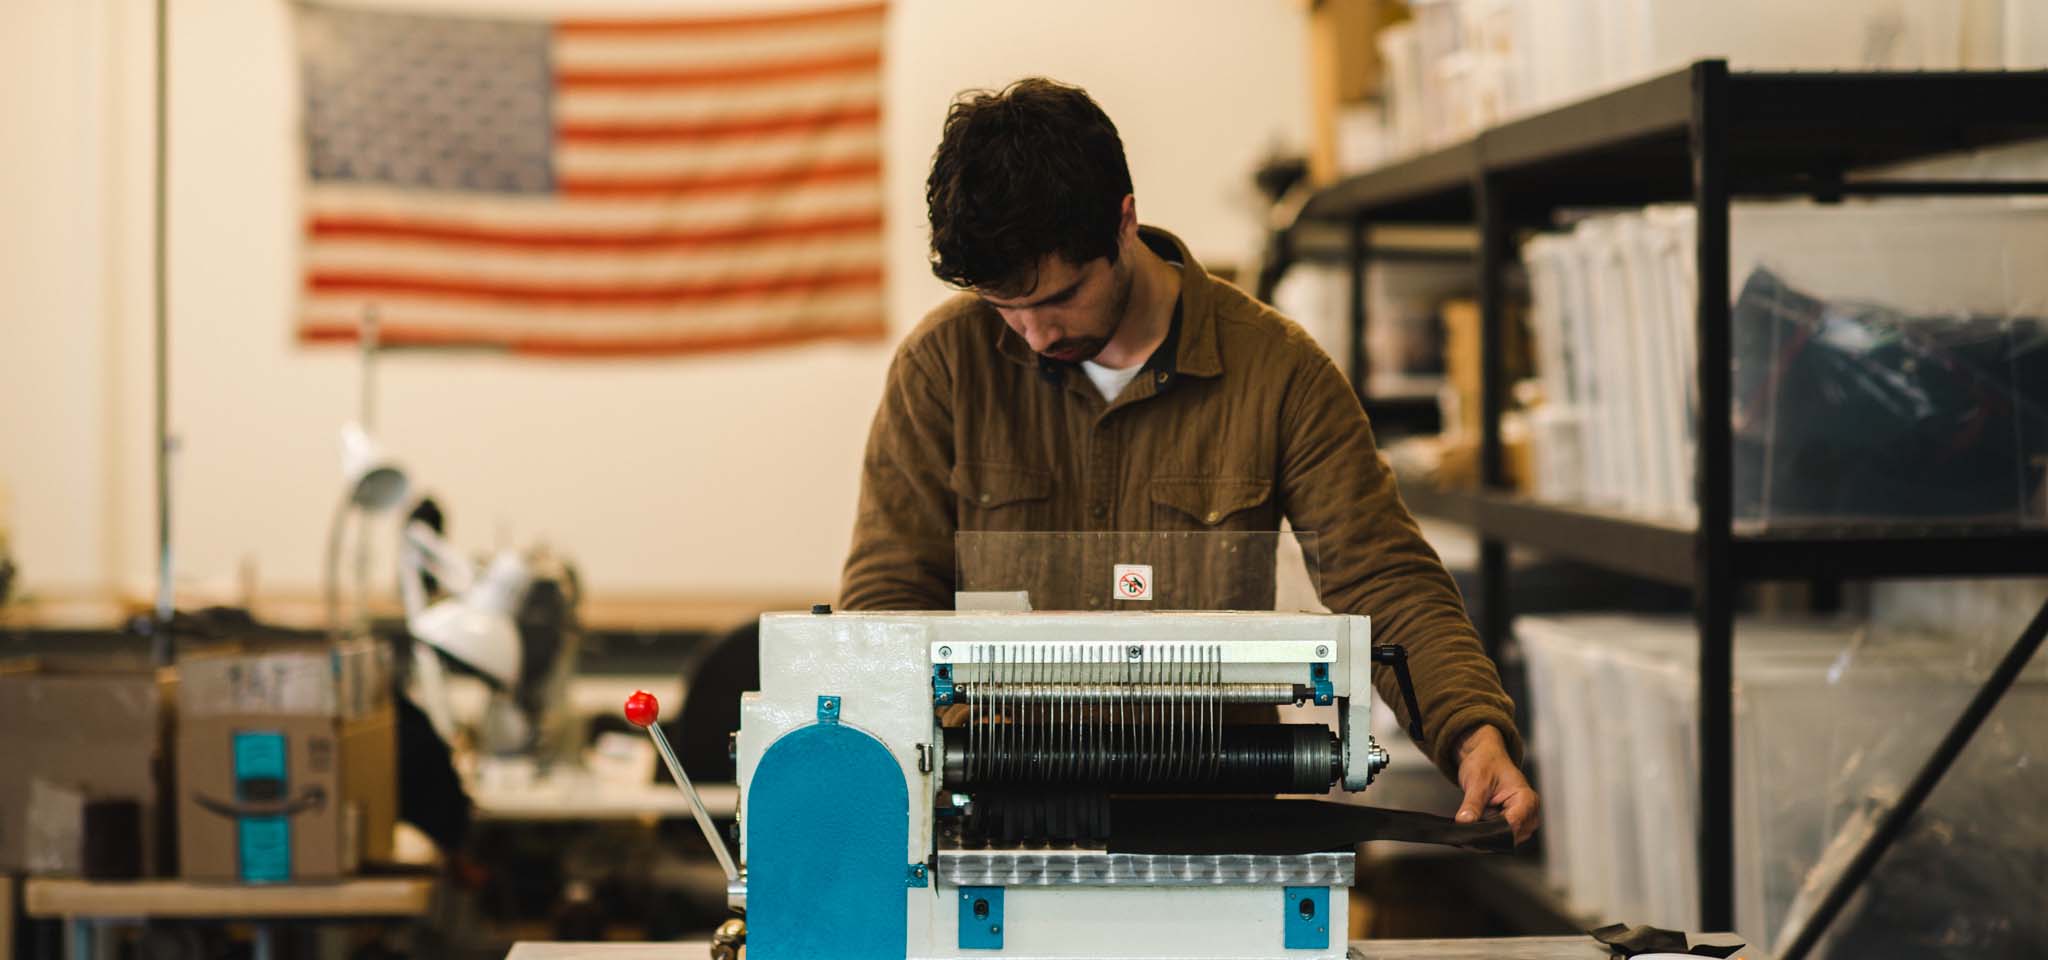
x: 642, y: 710
x: 1396, y: 656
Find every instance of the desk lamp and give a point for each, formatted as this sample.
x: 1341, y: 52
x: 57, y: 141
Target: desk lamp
x: 474, y: 626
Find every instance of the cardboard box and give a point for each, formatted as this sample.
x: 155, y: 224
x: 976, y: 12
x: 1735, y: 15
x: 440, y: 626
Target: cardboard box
x: 82, y: 730
x: 1344, y: 67
x: 287, y: 768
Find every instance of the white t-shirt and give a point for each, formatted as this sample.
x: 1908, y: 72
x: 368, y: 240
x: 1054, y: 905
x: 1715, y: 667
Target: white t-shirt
x: 1109, y: 381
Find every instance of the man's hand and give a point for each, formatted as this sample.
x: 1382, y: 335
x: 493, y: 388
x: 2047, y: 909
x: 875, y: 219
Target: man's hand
x: 1492, y: 784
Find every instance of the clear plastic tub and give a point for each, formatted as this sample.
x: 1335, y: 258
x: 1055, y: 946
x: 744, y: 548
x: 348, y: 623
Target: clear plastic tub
x: 1830, y: 723
x: 1572, y: 48
x: 1890, y: 362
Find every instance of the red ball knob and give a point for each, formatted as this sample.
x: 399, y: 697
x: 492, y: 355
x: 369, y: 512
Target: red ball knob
x: 642, y: 709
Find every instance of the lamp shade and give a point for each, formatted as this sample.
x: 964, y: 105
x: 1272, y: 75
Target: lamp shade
x: 477, y: 628
x: 374, y: 480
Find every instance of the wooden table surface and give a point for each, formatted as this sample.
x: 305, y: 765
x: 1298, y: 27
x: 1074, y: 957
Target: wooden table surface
x: 1511, y: 948
x: 610, y: 611
x: 362, y: 897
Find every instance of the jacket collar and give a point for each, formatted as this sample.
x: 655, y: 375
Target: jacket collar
x: 1192, y: 339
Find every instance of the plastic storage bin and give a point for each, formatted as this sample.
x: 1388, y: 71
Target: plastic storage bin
x: 1830, y: 722
x: 1890, y: 362
x: 1573, y: 48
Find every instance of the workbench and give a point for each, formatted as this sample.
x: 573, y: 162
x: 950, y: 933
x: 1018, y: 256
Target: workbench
x: 88, y: 907
x: 1507, y: 948
x: 577, y: 796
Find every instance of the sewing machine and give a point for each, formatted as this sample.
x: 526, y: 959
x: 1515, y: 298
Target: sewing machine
x: 948, y: 785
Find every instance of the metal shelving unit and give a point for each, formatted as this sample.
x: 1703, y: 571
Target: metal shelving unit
x: 1703, y: 135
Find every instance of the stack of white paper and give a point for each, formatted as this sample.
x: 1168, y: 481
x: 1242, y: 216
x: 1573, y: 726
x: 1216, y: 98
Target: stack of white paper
x: 1611, y: 320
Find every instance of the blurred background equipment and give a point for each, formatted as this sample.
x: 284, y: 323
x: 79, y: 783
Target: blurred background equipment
x: 372, y: 484
x: 472, y: 626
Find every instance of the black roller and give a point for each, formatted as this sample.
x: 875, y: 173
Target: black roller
x: 1263, y: 758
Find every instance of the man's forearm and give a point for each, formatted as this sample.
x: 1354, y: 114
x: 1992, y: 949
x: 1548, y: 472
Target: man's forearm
x: 880, y: 578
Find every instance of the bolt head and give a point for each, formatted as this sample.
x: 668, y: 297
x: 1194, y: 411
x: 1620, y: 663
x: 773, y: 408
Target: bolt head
x: 1322, y: 651
x: 1135, y: 651
x: 945, y: 651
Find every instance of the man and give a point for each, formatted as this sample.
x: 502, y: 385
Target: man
x: 1092, y: 376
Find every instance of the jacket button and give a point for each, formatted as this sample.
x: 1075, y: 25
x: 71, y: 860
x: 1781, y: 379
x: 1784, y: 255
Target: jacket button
x: 1214, y: 516
x: 984, y: 498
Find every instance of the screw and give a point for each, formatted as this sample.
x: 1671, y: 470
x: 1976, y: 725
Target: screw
x: 995, y: 928
x: 945, y: 651
x: 1135, y: 651
x: 1322, y: 651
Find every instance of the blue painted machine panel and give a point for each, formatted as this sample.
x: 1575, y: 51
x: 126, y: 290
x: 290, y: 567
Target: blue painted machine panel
x: 828, y: 830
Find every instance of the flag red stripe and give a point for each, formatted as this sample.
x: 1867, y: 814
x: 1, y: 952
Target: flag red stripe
x: 717, y: 76
x: 689, y: 132
x: 344, y: 331
x: 753, y: 288
x: 630, y: 186
x: 640, y: 27
x: 427, y: 232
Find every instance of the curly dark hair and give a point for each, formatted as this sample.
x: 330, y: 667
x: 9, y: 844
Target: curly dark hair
x: 1033, y: 170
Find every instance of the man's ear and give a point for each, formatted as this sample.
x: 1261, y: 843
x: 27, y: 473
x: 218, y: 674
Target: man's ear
x: 1127, y: 225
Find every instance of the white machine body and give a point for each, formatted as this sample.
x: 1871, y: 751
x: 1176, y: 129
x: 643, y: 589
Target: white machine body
x: 885, y: 676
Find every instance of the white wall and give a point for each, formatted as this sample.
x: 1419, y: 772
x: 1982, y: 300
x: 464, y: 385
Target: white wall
x: 67, y: 367
x: 732, y: 473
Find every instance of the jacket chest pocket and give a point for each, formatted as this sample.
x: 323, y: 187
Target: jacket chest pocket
x: 1212, y: 503
x: 1001, y: 496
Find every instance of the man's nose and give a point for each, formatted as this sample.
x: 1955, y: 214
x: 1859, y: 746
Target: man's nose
x: 1040, y: 334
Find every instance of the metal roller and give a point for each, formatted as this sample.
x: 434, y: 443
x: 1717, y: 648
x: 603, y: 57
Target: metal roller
x: 1156, y: 758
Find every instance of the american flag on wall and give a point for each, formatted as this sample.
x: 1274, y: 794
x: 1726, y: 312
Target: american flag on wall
x: 592, y: 186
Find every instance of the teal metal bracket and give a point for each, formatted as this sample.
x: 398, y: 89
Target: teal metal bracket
x: 981, y: 918
x: 1319, y: 679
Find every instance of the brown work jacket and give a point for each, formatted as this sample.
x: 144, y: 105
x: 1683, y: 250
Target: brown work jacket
x: 1239, y: 420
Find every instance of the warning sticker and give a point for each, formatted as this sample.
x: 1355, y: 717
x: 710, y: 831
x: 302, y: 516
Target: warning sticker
x: 1133, y: 582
